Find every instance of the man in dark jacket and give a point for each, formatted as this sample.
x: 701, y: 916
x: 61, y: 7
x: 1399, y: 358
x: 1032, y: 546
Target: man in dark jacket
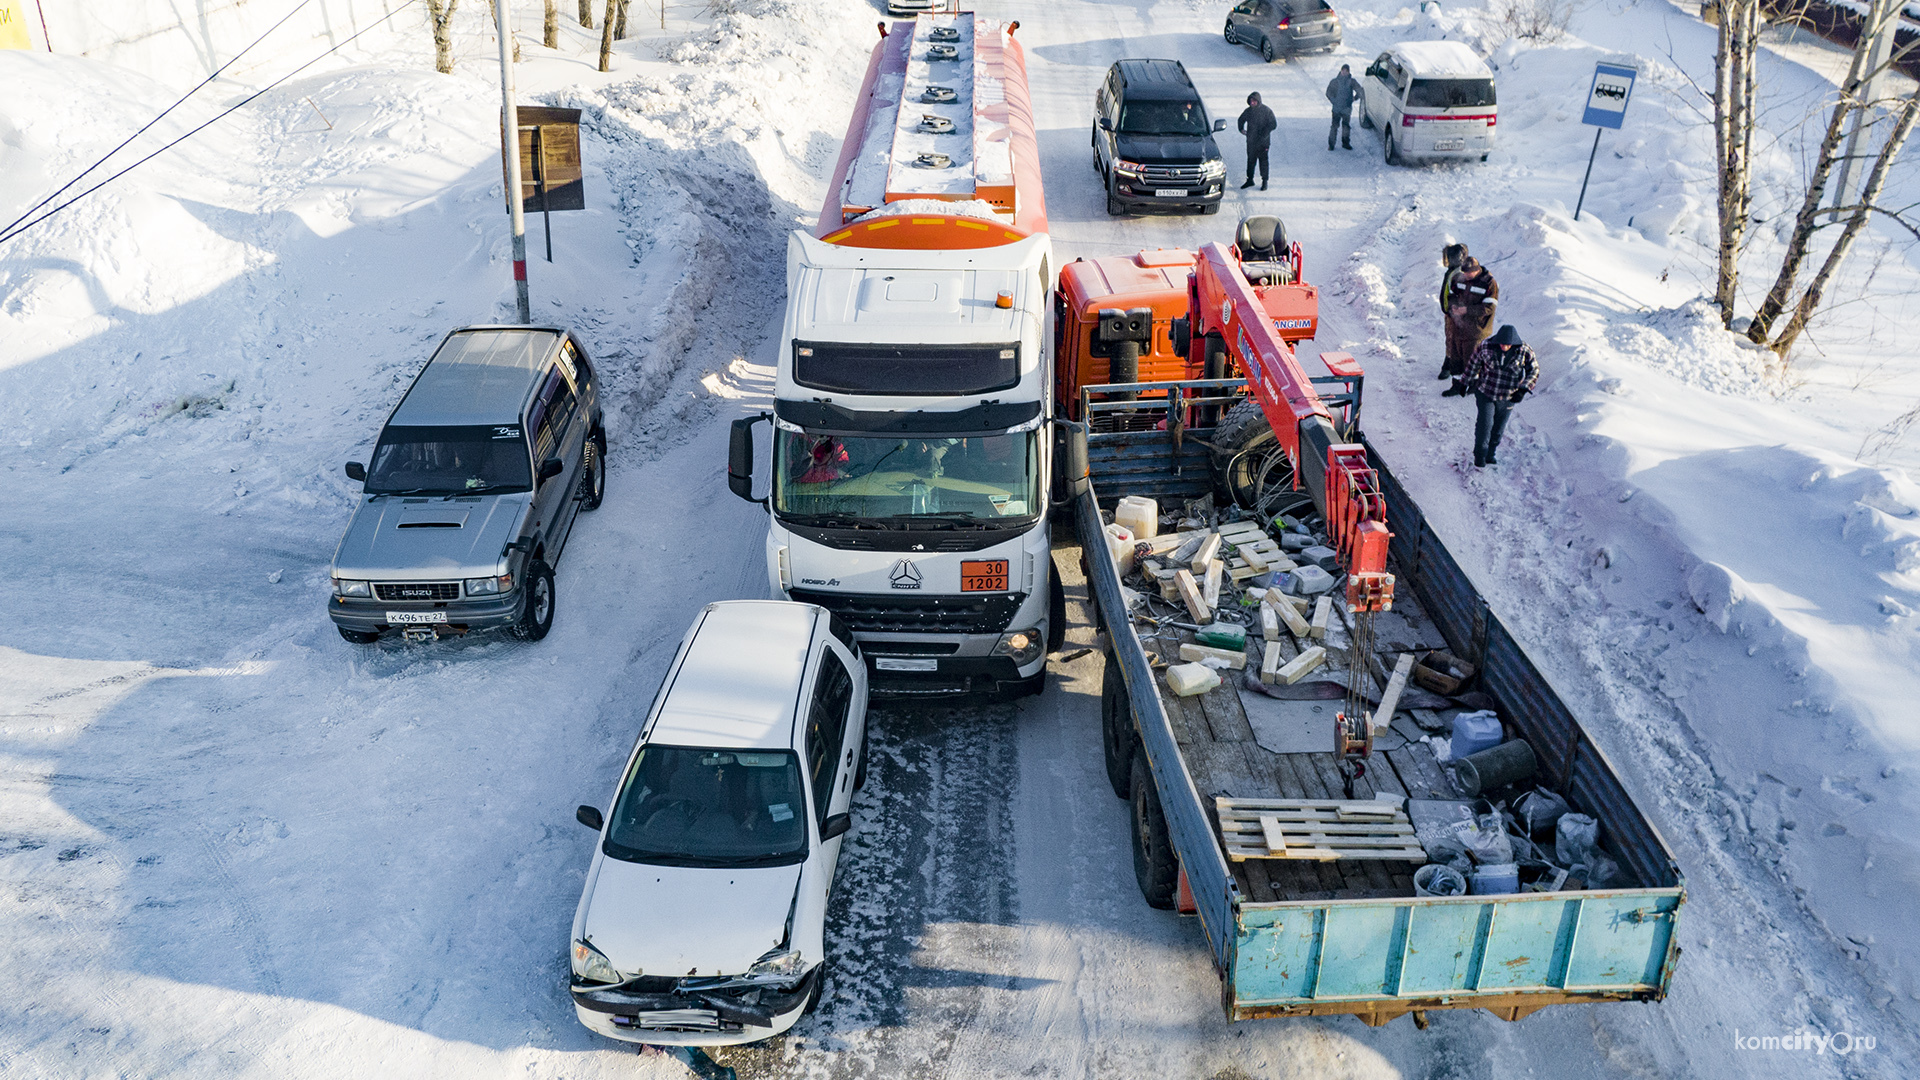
x: 1451, y: 257
x: 1257, y: 124
x: 1472, y: 300
x: 1501, y: 372
x: 1341, y: 93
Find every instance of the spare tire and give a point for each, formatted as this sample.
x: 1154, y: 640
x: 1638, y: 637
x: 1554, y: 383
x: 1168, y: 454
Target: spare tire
x: 1244, y: 450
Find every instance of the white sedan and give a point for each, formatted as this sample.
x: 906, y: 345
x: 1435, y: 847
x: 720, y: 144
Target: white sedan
x: 703, y: 918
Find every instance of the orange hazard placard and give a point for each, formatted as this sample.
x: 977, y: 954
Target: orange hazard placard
x: 983, y: 575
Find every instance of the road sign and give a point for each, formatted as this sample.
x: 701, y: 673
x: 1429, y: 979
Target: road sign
x: 1607, y: 98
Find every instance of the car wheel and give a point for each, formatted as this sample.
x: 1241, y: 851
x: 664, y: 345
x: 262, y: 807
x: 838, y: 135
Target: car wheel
x: 1393, y: 150
x: 1155, y: 866
x: 1366, y: 118
x: 1483, y: 157
x: 536, y: 607
x: 360, y: 637
x: 1231, y: 39
x: 1115, y: 208
x: 593, y: 478
x: 1116, y: 728
x: 1266, y: 49
x: 819, y: 987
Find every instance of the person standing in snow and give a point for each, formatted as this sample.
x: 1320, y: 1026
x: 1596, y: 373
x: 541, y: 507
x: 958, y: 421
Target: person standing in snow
x: 1257, y: 124
x: 1451, y: 257
x: 1501, y: 372
x: 1472, y: 300
x: 1341, y: 93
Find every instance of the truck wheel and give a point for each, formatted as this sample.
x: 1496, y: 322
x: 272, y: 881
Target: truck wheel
x: 1155, y: 866
x: 1116, y: 728
x: 1243, y: 464
x: 593, y: 478
x: 1056, y: 609
x: 360, y: 637
x: 536, y: 610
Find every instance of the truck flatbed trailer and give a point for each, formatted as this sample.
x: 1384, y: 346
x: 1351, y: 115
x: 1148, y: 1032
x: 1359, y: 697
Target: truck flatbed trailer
x: 1293, y: 936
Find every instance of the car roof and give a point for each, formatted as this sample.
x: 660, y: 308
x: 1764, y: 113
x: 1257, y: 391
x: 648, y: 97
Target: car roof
x: 479, y: 375
x: 739, y: 680
x: 1440, y: 60
x: 1155, y: 79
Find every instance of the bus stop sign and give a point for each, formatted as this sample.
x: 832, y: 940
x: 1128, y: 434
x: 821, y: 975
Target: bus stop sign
x: 1607, y: 99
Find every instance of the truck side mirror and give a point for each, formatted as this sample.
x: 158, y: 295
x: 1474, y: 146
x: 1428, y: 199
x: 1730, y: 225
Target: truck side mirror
x: 590, y: 817
x: 740, y: 456
x: 1106, y: 124
x: 551, y: 468
x: 356, y: 471
x: 1073, y: 461
x: 837, y: 825
x: 1180, y: 332
x: 1219, y: 125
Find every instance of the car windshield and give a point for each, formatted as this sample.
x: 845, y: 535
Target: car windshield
x: 687, y: 806
x: 906, y: 482
x: 449, y: 461
x: 1163, y: 118
x: 1450, y: 93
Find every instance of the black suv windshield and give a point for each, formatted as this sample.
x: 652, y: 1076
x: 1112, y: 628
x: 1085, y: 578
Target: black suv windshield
x: 449, y: 461
x: 1163, y: 118
x: 1450, y: 93
x: 686, y: 806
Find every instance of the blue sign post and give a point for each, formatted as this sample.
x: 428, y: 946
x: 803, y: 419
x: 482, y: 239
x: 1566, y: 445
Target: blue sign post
x: 1606, y: 108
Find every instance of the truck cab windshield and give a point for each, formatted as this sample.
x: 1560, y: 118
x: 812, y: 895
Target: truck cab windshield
x: 906, y: 482
x: 449, y: 461
x: 686, y: 806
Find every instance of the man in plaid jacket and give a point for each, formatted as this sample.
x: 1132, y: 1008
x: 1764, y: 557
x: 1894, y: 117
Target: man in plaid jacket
x: 1501, y: 371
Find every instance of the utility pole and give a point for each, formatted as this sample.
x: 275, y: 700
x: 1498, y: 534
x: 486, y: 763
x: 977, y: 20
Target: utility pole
x: 1883, y: 18
x: 510, y: 149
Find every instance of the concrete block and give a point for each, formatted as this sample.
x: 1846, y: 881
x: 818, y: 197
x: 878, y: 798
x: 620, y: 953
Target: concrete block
x: 1310, y: 580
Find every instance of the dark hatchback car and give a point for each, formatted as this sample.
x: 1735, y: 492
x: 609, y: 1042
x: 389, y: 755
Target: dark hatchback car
x: 1152, y: 141
x: 1283, y: 27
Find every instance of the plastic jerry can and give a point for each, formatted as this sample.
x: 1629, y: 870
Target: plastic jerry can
x: 1474, y: 732
x: 1139, y: 515
x: 1120, y: 545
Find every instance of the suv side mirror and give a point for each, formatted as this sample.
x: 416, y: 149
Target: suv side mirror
x: 836, y: 825
x: 1219, y: 125
x: 356, y: 471
x: 551, y: 468
x: 590, y: 817
x: 1106, y: 124
x: 740, y: 456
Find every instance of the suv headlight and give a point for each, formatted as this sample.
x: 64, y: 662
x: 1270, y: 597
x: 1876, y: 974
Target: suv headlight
x: 1021, y: 646
x: 592, y: 965
x: 352, y: 588
x: 1213, y: 169
x: 1132, y: 168
x: 488, y: 586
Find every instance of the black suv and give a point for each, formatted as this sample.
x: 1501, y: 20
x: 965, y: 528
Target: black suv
x: 1152, y: 143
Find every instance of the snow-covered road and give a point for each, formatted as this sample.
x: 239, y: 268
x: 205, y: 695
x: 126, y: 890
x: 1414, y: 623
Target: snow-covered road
x: 233, y: 845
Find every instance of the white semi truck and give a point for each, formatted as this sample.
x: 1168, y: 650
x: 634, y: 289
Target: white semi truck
x: 911, y: 428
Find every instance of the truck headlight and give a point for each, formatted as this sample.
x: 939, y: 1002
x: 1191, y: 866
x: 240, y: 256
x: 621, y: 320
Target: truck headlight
x: 592, y: 965
x: 489, y: 586
x: 352, y: 588
x: 1021, y: 646
x: 1213, y: 169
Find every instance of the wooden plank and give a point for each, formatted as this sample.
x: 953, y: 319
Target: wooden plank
x: 1233, y: 658
x: 1209, y: 548
x: 1210, y: 588
x: 1299, y: 667
x: 1322, y: 611
x: 1288, y: 614
x: 1269, y: 623
x: 1190, y: 594
x: 1272, y: 661
x: 1390, y: 698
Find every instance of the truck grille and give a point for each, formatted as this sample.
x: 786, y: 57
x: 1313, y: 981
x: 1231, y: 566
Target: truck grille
x: 1172, y: 175
x: 882, y: 614
x: 417, y: 590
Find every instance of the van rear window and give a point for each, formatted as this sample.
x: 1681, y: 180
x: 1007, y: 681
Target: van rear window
x: 1450, y: 94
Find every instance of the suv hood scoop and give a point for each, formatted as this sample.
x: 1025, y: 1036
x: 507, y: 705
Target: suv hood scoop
x: 441, y: 520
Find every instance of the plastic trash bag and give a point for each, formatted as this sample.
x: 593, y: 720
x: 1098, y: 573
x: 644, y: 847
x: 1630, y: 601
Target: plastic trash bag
x: 1450, y: 853
x: 1539, y: 810
x: 1574, y: 838
x: 1603, y: 873
x: 1485, y: 839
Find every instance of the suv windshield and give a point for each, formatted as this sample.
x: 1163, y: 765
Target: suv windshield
x: 871, y: 479
x: 1163, y: 118
x: 686, y: 806
x: 1450, y: 93
x: 449, y: 461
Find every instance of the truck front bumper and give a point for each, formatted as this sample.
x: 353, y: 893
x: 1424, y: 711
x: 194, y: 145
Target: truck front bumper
x: 993, y: 677
x: 371, y: 616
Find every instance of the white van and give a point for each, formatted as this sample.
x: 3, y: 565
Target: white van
x: 1430, y: 99
x: 703, y: 917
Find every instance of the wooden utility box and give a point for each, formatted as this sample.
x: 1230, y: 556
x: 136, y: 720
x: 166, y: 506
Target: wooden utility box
x: 1442, y: 672
x: 550, y: 172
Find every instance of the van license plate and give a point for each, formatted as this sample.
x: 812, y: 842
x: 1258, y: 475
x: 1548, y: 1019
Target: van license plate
x: 415, y: 618
x: 983, y: 575
x: 1170, y: 193
x: 1449, y: 144
x: 901, y: 663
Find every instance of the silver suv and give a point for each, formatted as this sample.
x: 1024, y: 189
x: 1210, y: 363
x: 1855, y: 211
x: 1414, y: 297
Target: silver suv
x: 473, y: 488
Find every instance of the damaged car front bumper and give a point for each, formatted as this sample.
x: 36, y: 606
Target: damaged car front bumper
x: 667, y: 1012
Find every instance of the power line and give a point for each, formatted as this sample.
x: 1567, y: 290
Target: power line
x: 17, y: 227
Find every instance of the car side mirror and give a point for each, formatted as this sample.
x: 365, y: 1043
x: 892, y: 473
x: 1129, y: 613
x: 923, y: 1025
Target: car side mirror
x: 1106, y: 124
x: 356, y: 471
x: 590, y: 817
x: 836, y: 825
x: 1219, y: 125
x: 551, y: 468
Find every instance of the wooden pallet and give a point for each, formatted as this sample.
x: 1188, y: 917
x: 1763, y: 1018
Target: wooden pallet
x: 1321, y: 829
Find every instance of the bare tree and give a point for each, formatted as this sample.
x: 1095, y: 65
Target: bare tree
x: 620, y: 27
x: 550, y: 28
x: 1545, y: 21
x: 496, y: 21
x: 606, y: 37
x: 440, y: 12
x: 1733, y: 122
x: 586, y: 13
